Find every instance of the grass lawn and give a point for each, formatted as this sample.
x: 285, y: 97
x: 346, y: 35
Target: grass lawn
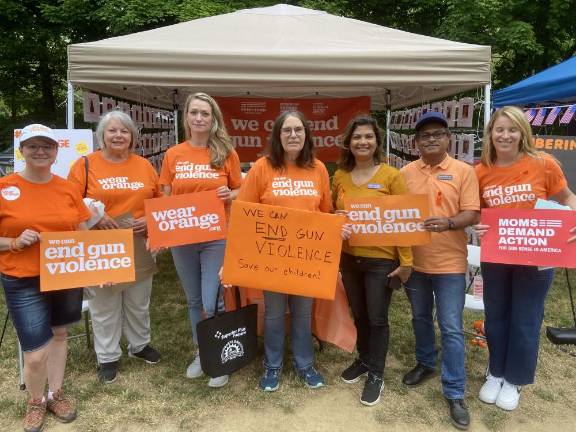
x: 159, y: 397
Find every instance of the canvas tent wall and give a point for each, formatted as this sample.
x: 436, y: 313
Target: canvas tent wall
x: 553, y: 86
x: 278, y: 51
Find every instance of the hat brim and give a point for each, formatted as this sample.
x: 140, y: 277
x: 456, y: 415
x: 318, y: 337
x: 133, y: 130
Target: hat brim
x: 40, y: 137
x: 431, y: 120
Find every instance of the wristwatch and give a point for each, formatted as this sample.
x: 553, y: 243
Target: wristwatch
x: 451, y: 225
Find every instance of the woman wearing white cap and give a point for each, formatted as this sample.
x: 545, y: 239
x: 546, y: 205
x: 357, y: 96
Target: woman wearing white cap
x: 33, y: 201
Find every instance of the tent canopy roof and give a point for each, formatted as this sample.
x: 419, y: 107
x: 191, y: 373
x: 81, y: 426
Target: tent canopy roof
x: 278, y: 51
x: 553, y: 86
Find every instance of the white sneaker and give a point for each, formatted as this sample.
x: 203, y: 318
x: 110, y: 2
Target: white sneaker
x: 508, y: 397
x: 194, y: 369
x: 220, y: 381
x: 490, y: 390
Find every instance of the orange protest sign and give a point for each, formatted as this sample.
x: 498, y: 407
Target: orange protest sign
x: 72, y: 259
x: 185, y: 219
x: 284, y: 250
x: 391, y: 220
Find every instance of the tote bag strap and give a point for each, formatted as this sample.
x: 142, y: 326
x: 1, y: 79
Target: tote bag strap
x: 86, y: 180
x: 236, y: 295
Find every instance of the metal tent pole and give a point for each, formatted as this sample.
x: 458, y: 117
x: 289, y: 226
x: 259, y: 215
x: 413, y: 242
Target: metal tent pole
x: 70, y: 107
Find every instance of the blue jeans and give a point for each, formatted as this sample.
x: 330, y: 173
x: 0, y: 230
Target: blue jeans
x: 448, y: 291
x: 300, y: 329
x: 514, y: 298
x: 35, y: 313
x: 197, y: 266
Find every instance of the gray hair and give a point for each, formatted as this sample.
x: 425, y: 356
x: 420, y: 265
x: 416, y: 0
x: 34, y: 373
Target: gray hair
x: 123, y: 118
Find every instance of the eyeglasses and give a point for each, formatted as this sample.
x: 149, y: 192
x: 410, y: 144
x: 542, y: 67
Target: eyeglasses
x: 46, y: 148
x: 299, y: 130
x: 428, y: 136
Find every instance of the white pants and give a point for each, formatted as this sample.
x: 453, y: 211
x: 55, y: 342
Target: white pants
x: 114, y: 312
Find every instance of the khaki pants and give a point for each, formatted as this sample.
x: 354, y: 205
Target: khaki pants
x: 115, y: 311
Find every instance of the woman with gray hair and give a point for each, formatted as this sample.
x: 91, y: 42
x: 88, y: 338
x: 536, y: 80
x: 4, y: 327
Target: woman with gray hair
x: 122, y: 181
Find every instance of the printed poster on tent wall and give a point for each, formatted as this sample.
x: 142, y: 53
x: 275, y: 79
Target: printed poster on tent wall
x: 564, y: 149
x: 72, y: 143
x: 249, y: 122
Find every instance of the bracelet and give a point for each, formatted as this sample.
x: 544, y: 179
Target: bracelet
x: 14, y: 247
x: 451, y: 225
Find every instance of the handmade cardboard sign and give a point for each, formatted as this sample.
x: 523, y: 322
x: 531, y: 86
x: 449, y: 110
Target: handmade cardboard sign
x: 185, y: 219
x: 391, y: 220
x: 72, y: 259
x: 284, y: 250
x: 529, y: 237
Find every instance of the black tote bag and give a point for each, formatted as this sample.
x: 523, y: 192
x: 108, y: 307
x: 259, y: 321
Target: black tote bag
x: 228, y: 341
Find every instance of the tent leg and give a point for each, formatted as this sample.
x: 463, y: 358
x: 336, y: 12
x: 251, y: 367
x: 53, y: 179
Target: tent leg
x: 487, y: 103
x: 70, y: 107
x: 388, y: 115
x: 176, y: 125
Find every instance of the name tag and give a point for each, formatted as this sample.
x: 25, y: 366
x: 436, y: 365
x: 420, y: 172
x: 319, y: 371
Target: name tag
x: 444, y: 177
x: 374, y: 186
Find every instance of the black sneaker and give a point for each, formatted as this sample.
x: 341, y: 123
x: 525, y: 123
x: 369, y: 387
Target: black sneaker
x: 353, y: 372
x: 372, y: 389
x: 107, y: 372
x: 148, y: 354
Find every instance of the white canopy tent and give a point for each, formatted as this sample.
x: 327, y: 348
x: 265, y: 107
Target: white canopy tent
x: 278, y: 51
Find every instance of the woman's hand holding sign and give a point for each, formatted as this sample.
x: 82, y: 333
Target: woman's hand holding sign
x: 573, y: 238
x: 226, y: 194
x: 481, y: 229
x: 139, y: 226
x: 106, y: 223
x: 346, y: 228
x: 27, y: 238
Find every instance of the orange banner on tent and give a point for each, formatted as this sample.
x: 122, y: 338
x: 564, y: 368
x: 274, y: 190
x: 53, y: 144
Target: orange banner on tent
x: 284, y: 250
x: 73, y: 259
x: 392, y: 220
x: 185, y: 219
x: 249, y: 122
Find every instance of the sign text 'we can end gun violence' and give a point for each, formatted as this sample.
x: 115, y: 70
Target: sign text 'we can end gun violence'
x: 284, y: 250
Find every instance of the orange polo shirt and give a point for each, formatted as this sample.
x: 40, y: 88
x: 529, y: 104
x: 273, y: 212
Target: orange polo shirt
x: 293, y: 187
x: 520, y: 184
x: 451, y: 187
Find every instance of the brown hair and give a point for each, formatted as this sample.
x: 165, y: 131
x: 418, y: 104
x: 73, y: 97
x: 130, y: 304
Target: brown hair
x: 276, y: 153
x: 347, y: 160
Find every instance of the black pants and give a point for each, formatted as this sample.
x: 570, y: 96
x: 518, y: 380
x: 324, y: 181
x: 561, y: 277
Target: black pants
x: 366, y: 284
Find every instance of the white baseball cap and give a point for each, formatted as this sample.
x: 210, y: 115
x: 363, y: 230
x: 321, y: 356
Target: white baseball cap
x: 37, y: 130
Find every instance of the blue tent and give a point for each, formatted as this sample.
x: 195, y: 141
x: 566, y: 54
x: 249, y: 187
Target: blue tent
x: 553, y: 86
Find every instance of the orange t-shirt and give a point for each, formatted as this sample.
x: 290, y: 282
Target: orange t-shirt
x: 187, y: 169
x: 122, y: 187
x: 292, y: 187
x: 48, y: 207
x: 451, y: 187
x: 520, y: 184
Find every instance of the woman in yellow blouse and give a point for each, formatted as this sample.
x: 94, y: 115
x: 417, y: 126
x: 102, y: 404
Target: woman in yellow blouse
x: 369, y: 273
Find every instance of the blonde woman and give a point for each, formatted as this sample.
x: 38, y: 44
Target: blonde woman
x: 205, y: 161
x: 514, y: 295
